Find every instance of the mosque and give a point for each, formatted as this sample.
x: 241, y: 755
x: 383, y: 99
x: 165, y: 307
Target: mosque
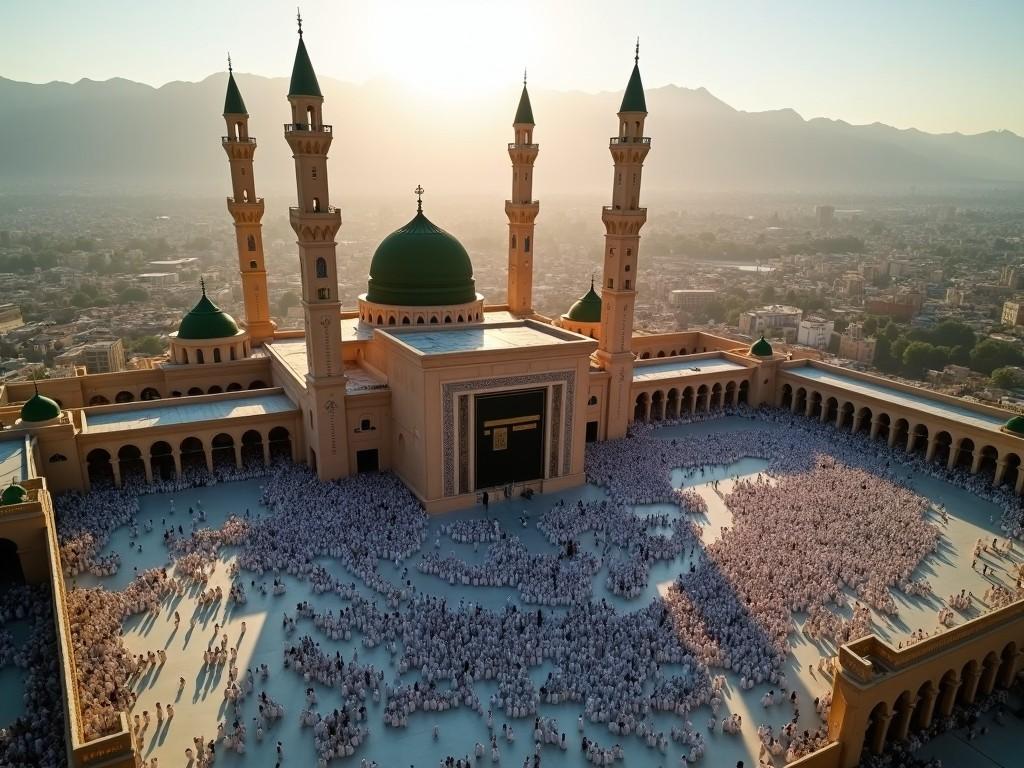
x: 424, y: 378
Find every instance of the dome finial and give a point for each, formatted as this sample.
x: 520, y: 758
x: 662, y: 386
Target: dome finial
x: 524, y: 77
x: 419, y: 198
x: 202, y: 285
x: 298, y: 16
x: 229, y: 63
x: 636, y: 57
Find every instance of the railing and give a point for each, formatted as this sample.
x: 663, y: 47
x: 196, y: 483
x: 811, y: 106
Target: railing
x: 294, y: 210
x: 306, y: 128
x: 513, y: 145
x: 625, y: 211
x: 247, y: 140
x: 629, y: 140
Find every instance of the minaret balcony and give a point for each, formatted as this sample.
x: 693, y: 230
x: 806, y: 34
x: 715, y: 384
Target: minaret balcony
x: 614, y: 209
x: 307, y: 128
x: 615, y: 140
x: 513, y: 145
x: 236, y: 140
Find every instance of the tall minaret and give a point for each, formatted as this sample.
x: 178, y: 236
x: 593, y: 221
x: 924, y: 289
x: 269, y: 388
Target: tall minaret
x: 247, y: 211
x: 623, y: 220
x: 521, y: 210
x: 316, y: 223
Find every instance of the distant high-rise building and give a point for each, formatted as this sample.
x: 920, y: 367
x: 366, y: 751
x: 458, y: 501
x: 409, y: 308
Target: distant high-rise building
x: 825, y: 214
x: 757, y: 321
x: 1013, y: 313
x: 815, y: 332
x: 692, y: 299
x: 104, y: 356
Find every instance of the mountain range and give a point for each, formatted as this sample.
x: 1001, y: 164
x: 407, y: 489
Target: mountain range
x: 119, y: 135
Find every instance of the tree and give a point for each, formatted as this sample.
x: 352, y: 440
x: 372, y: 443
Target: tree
x: 990, y: 354
x: 839, y: 325
x: 920, y: 356
x: 768, y: 294
x: 288, y: 300
x: 953, y: 334
x: 132, y: 295
x: 870, y: 326
x: 1008, y: 377
x: 148, y: 345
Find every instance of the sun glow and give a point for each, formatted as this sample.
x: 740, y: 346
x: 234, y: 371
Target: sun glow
x: 455, y: 50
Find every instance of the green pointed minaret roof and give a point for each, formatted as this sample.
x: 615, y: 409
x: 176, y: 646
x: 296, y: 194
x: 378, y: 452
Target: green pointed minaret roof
x: 633, y: 99
x: 586, y: 309
x: 233, y: 102
x: 303, y: 77
x: 524, y: 114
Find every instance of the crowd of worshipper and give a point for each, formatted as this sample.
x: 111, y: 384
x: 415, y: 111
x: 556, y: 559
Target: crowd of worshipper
x: 36, y: 737
x: 833, y: 506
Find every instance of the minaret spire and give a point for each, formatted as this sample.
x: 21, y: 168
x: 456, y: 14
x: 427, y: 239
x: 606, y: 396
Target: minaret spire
x: 623, y: 220
x: 521, y: 209
x: 316, y: 223
x: 419, y: 198
x: 298, y: 17
x: 229, y: 63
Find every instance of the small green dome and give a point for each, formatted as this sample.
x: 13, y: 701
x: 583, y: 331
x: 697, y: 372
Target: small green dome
x: 39, y: 408
x: 13, y: 494
x: 206, y: 321
x: 587, y: 308
x: 420, y: 265
x: 1015, y: 425
x: 761, y: 348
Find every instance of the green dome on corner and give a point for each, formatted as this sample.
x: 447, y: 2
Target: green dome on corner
x: 206, y: 321
x: 587, y: 308
x: 761, y: 348
x: 1015, y: 425
x: 39, y: 408
x: 420, y: 265
x: 13, y: 494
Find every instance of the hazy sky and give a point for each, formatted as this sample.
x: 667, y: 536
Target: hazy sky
x: 939, y: 65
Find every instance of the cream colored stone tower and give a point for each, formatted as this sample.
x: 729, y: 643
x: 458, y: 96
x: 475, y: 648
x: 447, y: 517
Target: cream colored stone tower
x: 623, y: 220
x: 316, y: 223
x: 247, y: 211
x: 521, y: 210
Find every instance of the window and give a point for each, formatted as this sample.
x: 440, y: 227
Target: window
x: 251, y: 242
x: 321, y: 267
x: 253, y: 264
x: 364, y: 425
x: 611, y: 283
x: 627, y: 285
x: 592, y: 400
x: 57, y: 458
x: 513, y: 241
x: 627, y: 267
x: 314, y: 171
x: 216, y: 355
x: 323, y: 293
x: 316, y: 205
x: 526, y: 244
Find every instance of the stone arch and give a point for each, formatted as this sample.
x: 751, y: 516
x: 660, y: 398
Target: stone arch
x: 222, y: 450
x: 194, y: 391
x: 657, y: 405
x: 899, y: 432
x: 645, y: 356
x: 11, y: 572
x: 661, y: 353
x: 987, y: 461
x: 965, y: 453
x: 878, y: 725
x: 640, y: 409
x: 884, y: 424
x: 786, y: 401
x: 214, y: 390
x: 744, y: 392
x: 716, y: 396
x: 919, y: 439
x: 252, y: 448
x: 1010, y: 474
x: 99, y: 468
x: 257, y: 384
x: 279, y: 440
x: 989, y: 671
x: 814, y: 403
x: 130, y: 463
x: 234, y: 386
x: 942, y: 447
x: 925, y: 706
x: 862, y: 421
x: 161, y: 460
x: 730, y: 393
x: 844, y: 418
x: 965, y: 696
x: 672, y: 404
x: 193, y: 454
x: 800, y: 399
x: 902, y: 708
x: 150, y: 393
x: 702, y: 398
x: 57, y: 458
x: 686, y: 404
x: 124, y: 396
x: 98, y: 400
x: 831, y: 409
x: 1007, y: 664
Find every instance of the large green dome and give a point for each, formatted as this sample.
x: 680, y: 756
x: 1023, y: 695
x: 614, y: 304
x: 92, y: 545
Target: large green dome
x: 39, y: 408
x: 761, y: 348
x: 13, y: 494
x: 1015, y: 425
x: 420, y: 265
x: 206, y: 321
x: 587, y: 308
